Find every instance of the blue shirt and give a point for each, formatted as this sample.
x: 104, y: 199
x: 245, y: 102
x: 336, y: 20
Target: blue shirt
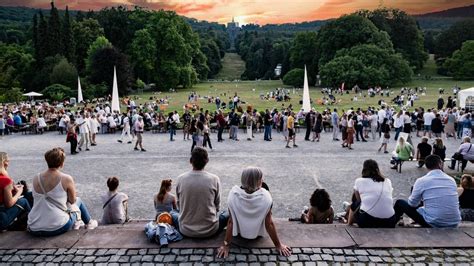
x: 438, y: 192
x: 17, y: 120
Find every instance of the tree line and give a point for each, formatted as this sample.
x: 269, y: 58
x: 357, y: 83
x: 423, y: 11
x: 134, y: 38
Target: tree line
x: 147, y: 47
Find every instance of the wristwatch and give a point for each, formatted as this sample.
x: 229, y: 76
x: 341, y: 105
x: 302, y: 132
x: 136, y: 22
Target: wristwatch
x: 226, y: 243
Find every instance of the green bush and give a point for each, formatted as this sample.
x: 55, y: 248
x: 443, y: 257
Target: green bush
x: 294, y: 78
x: 58, y: 92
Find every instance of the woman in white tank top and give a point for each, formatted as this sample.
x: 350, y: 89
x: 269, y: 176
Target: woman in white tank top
x: 56, y: 208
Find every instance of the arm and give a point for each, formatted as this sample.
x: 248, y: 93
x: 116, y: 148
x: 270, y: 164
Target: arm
x: 217, y: 199
x: 271, y: 230
x: 331, y: 216
x: 175, y: 204
x: 350, y: 218
x: 68, y: 183
x: 8, y: 199
x: 417, y: 154
x: 416, y: 195
x: 223, y: 251
x: 460, y: 191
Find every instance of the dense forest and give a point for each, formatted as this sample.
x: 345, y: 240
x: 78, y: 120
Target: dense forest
x: 46, y: 50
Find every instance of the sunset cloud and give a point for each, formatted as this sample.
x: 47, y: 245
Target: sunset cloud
x: 252, y: 11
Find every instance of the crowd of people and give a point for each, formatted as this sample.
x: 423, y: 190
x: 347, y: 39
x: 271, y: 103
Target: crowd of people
x: 52, y: 206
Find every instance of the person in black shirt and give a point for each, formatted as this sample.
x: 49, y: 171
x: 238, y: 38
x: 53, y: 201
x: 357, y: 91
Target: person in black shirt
x: 437, y: 126
x: 439, y: 148
x: 466, y: 198
x: 422, y: 151
x: 267, y: 122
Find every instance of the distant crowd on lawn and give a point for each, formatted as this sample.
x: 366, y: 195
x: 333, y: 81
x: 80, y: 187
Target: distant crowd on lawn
x: 51, y: 207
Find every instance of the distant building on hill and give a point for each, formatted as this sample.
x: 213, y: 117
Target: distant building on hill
x: 233, y: 30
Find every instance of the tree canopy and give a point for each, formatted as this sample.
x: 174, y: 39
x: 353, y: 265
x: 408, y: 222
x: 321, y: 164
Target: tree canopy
x: 461, y: 64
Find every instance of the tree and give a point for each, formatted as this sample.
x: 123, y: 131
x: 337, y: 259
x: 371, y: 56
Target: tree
x: 54, y: 32
x: 68, y: 45
x: 41, y: 51
x: 461, y: 64
x: 302, y: 53
x: 404, y: 33
x: 102, y: 69
x: 452, y: 39
x: 100, y: 43
x: 366, y: 65
x: 14, y: 64
x: 64, y: 73
x: 346, y: 32
x: 14, y: 95
x: 87, y: 32
x: 57, y: 92
x: 143, y: 51
x: 294, y: 77
x: 40, y: 78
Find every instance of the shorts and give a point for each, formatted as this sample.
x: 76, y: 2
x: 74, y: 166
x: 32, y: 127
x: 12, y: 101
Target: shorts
x: 139, y: 136
x: 291, y: 132
x: 427, y: 127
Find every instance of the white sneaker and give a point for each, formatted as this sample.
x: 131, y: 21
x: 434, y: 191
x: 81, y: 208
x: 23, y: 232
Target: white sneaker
x: 78, y: 225
x: 92, y: 224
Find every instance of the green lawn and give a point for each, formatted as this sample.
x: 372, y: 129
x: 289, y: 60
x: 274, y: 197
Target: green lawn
x: 232, y: 67
x: 249, y: 92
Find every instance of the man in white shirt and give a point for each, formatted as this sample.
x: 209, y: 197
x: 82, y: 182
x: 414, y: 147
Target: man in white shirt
x: 84, y: 130
x: 126, y: 129
x: 381, y: 116
x: 428, y: 119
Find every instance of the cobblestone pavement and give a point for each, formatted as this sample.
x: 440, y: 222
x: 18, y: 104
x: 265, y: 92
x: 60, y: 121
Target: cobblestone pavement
x: 292, y: 174
x: 301, y: 256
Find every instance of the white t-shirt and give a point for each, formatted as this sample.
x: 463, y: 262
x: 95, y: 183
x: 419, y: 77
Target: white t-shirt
x: 382, y: 114
x: 114, y: 212
x: 428, y: 118
x: 84, y: 128
x: 375, y: 201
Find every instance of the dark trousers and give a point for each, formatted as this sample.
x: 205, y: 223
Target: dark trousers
x: 308, y: 132
x: 219, y: 133
x: 207, y: 140
x: 359, y: 131
x: 365, y: 220
x: 402, y: 207
x: 73, y: 142
x: 458, y: 158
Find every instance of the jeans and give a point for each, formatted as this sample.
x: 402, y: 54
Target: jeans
x: 397, y: 132
x: 223, y: 218
x: 1, y: 131
x: 267, y: 135
x: 73, y: 142
x: 172, y: 132
x: 8, y: 216
x: 85, y: 216
x: 359, y: 131
x: 207, y: 140
x: 233, y: 134
x: 402, y: 206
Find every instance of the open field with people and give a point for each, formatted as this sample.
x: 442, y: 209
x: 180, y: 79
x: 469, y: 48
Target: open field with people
x: 250, y: 92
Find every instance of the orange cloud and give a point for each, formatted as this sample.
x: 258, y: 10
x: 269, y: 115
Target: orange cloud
x: 253, y: 11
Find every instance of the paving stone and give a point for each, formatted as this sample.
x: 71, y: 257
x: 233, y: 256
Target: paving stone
x: 39, y: 259
x: 400, y: 260
x: 142, y: 251
x: 296, y: 251
x: 265, y: 251
x: 147, y: 258
x: 339, y: 258
x: 315, y: 257
x: 114, y: 258
x: 351, y: 258
x: 408, y: 253
x: 361, y: 252
x: 272, y: 258
x: 326, y: 257
x: 310, y: 263
x: 338, y: 251
x: 327, y: 251
x: 186, y: 264
x: 207, y: 259
x: 270, y: 264
x: 165, y: 250
x: 388, y: 259
x: 303, y: 257
x: 252, y: 258
x: 169, y: 258
x: 307, y: 250
x: 363, y: 258
x: 174, y: 251
x: 136, y: 258
x: 420, y: 258
x: 317, y: 250
x: 132, y: 252
x: 124, y: 259
x: 297, y: 264
x: 463, y: 259
x: 209, y: 251
x: 100, y: 252
x: 199, y: 251
x: 240, y: 258
x: 186, y: 251
x: 182, y: 258
x: 158, y: 258
x: 102, y: 259
x: 76, y: 258
x: 245, y: 251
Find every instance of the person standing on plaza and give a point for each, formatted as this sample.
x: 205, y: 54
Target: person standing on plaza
x: 138, y: 128
x: 187, y: 124
x: 309, y: 124
x: 335, y: 125
x: 94, y: 127
x: 318, y: 127
x: 373, y: 121
x: 382, y: 114
x: 171, y: 125
x: 234, y: 125
x: 221, y: 123
x: 428, y: 119
x: 267, y: 122
x: 249, y: 123
x: 199, y: 195
x: 84, y: 130
x: 291, y: 130
x: 71, y: 136
x: 126, y: 129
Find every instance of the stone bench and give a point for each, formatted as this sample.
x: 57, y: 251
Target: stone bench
x: 296, y: 235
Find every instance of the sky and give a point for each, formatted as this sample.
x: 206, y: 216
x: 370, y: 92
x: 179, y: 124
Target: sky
x: 256, y: 11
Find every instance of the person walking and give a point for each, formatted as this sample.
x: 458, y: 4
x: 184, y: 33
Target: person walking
x: 220, y: 125
x: 291, y: 130
x: 171, y: 125
x: 71, y: 136
x: 138, y: 128
x: 249, y: 123
x: 84, y: 130
x: 126, y: 129
x: 335, y: 124
x: 309, y: 124
x: 267, y: 122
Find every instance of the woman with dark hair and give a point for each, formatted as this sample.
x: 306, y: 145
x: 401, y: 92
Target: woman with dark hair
x: 373, y: 205
x: 350, y: 133
x: 466, y: 198
x: 321, y: 211
x: 385, y: 139
x: 318, y: 127
x: 165, y: 201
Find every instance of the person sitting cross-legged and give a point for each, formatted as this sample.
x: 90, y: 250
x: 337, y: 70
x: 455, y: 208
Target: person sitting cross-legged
x: 438, y: 194
x: 422, y: 150
x: 403, y: 151
x: 250, y: 208
x: 199, y: 198
x: 114, y: 204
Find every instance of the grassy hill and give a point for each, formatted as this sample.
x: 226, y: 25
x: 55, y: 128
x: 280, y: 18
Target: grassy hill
x: 232, y: 67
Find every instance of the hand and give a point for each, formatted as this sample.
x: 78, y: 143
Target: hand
x: 18, y: 189
x: 284, y: 250
x: 223, y: 252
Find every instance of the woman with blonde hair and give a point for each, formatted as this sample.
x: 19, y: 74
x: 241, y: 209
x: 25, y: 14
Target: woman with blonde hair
x: 250, y: 212
x: 12, y: 204
x: 403, y: 152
